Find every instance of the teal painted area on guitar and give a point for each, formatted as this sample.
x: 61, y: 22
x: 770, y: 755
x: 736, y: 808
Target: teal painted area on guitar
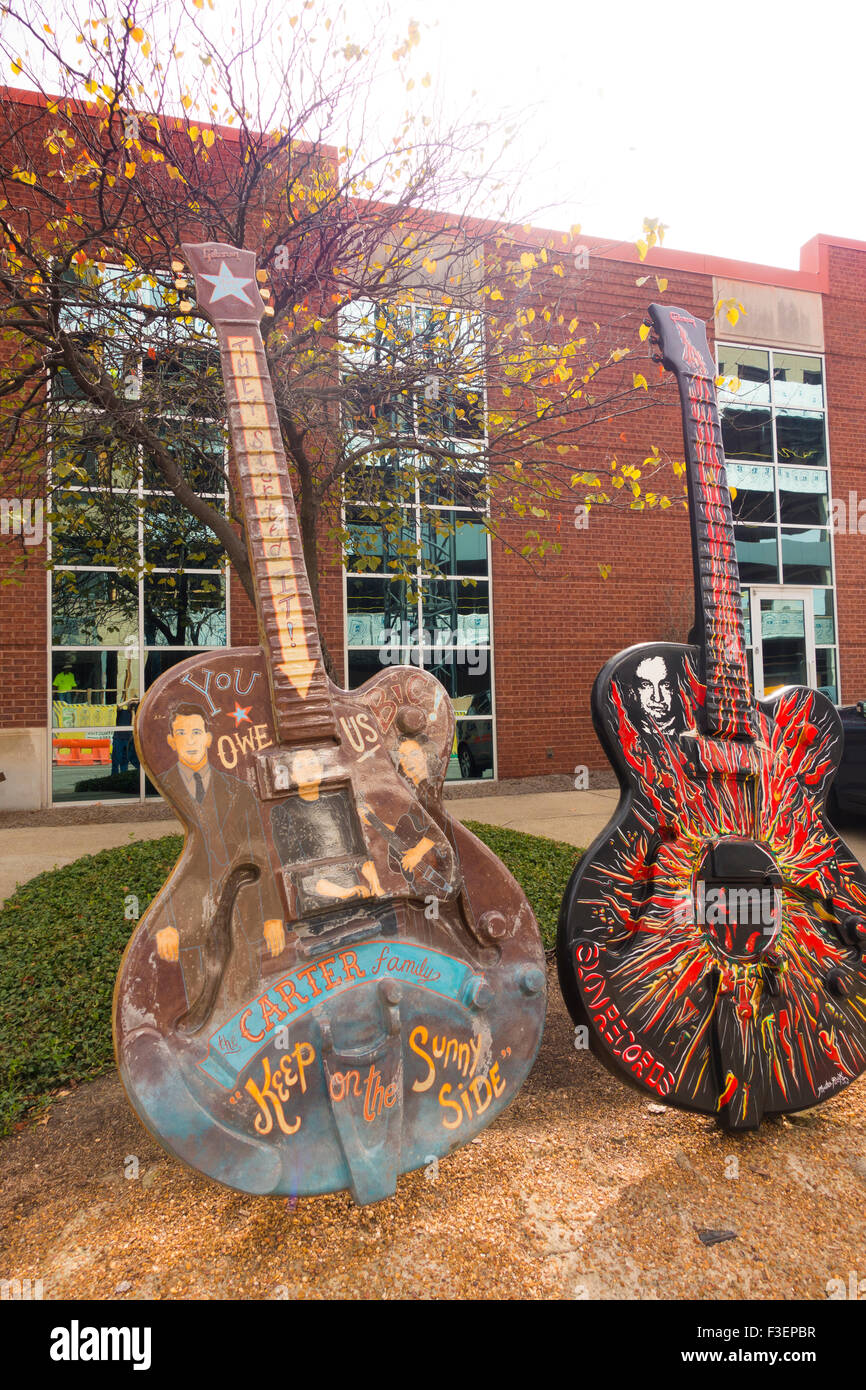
x: 299, y: 992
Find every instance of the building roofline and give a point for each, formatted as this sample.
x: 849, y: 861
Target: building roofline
x: 813, y: 273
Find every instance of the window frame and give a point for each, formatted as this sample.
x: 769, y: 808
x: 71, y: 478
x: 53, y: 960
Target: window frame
x: 729, y: 397
x: 465, y: 446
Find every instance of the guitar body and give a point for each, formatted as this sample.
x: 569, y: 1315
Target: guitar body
x: 397, y: 1019
x: 735, y: 1006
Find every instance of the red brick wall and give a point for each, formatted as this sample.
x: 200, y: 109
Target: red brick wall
x: 845, y: 346
x: 555, y: 630
x: 23, y: 637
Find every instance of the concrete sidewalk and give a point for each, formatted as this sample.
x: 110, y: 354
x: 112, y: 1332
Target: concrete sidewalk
x: 573, y: 816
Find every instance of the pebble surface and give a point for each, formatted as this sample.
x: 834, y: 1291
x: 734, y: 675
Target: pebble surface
x: 581, y: 1189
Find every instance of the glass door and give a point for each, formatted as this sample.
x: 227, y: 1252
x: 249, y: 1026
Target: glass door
x: 783, y: 639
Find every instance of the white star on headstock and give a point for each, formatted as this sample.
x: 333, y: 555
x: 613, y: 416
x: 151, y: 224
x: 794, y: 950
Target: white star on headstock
x: 226, y: 285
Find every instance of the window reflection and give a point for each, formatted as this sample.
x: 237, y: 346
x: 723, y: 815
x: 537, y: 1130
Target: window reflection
x: 825, y: 658
x: 806, y: 557
x: 380, y: 612
x: 750, y: 369
x: 825, y: 622
x: 93, y: 608
x: 757, y: 554
x: 803, y: 496
x: 94, y: 527
x: 175, y: 539
x: 800, y: 438
x: 753, y: 496
x: 747, y: 433
x: 461, y: 610
x: 452, y: 543
x: 184, y: 610
x: 798, y: 381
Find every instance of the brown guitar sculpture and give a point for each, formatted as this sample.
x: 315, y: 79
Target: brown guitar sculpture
x: 338, y: 983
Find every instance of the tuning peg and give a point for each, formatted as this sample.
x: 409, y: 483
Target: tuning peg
x: 178, y: 267
x: 186, y: 306
x: 262, y: 277
x: 181, y: 284
x: 265, y: 294
x: 269, y: 310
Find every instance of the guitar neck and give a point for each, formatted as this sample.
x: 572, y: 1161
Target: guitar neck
x: 728, y: 709
x: 287, y: 619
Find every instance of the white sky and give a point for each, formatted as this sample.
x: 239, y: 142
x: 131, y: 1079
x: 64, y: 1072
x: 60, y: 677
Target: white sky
x: 740, y: 125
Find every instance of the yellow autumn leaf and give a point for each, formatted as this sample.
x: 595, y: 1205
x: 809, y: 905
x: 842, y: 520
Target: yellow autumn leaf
x: 429, y: 266
x: 644, y: 332
x: 137, y: 34
x: 662, y: 284
x: 604, y: 570
x: 193, y: 133
x: 528, y: 261
x: 16, y: 66
x: 640, y: 382
x: 425, y: 80
x: 207, y: 137
x: 129, y: 168
x: 732, y: 315
x: 497, y: 294
x: 186, y: 101
x: 642, y: 249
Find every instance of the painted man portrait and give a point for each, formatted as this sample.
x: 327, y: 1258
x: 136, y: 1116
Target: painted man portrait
x: 225, y: 832
x: 650, y: 697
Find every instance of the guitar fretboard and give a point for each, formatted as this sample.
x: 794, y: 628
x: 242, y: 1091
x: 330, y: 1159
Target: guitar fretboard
x: 287, y: 619
x: 728, y: 709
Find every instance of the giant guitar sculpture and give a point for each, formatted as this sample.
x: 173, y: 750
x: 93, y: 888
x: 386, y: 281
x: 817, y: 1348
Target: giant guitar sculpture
x: 712, y: 939
x: 338, y: 983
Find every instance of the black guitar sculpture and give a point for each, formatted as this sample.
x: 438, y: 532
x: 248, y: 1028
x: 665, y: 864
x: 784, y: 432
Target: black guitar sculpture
x: 712, y: 937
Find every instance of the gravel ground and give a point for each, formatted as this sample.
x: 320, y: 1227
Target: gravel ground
x: 579, y: 1191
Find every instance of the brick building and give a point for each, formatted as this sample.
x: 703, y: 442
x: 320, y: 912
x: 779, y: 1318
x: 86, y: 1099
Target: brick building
x: 792, y: 438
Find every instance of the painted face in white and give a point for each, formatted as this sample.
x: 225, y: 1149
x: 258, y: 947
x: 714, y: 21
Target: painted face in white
x: 654, y: 691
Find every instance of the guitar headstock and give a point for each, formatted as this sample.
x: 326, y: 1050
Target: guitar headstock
x: 681, y: 341
x: 228, y: 287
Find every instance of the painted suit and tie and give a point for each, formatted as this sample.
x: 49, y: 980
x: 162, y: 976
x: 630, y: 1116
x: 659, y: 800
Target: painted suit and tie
x: 225, y: 832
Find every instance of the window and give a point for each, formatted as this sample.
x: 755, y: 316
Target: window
x: 418, y: 556
x: 137, y: 584
x: 773, y: 416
